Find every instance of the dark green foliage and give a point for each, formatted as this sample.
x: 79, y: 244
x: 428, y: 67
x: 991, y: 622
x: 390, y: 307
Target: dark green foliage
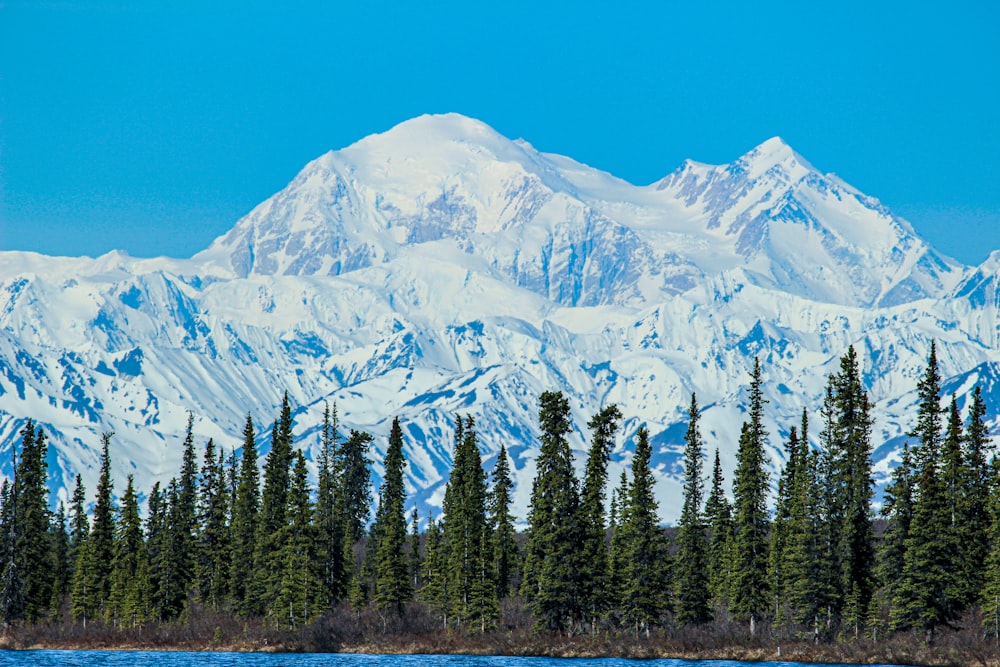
x: 355, y: 498
x: 551, y: 581
x: 472, y: 591
x: 435, y: 591
x: 926, y: 595
x: 32, y: 545
x: 692, y: 596
x: 897, y: 509
x: 328, y: 523
x: 719, y: 516
x: 93, y: 580
x: 505, y: 549
x: 185, y: 514
x: 299, y: 596
x: 593, y: 547
x: 750, y: 590
x: 130, y: 597
x: 244, y: 524
x: 413, y: 559
x: 645, y: 596
x: 393, y: 587
x: 214, y: 553
x: 61, y: 569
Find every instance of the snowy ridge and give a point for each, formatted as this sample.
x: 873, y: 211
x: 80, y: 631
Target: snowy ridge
x: 441, y: 268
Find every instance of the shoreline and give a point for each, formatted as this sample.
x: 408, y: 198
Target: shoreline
x: 863, y: 652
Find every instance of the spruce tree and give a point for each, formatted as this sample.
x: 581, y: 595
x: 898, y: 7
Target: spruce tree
x: 505, y: 549
x: 329, y: 525
x: 79, y: 523
x: 244, y: 525
x: 593, y: 548
x: 691, y: 581
x: 551, y: 580
x: 61, y: 569
x: 781, y: 527
x: 185, y: 515
x: 130, y: 599
x: 925, y: 595
x: 393, y: 587
x: 214, y: 551
x: 299, y: 597
x: 719, y: 515
x: 32, y: 545
x: 897, y: 511
x: 974, y: 513
x: 750, y: 590
x: 435, y: 592
x: 352, y: 506
x: 414, y: 561
x: 466, y: 533
x: 156, y: 527
x: 645, y: 595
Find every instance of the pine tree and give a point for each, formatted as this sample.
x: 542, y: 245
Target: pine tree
x: 129, y: 600
x: 12, y: 591
x: 593, y: 548
x: 352, y: 507
x: 692, y: 590
x: 551, y: 579
x: 989, y: 597
x: 392, y: 579
x: 644, y: 549
x: 244, y: 525
x: 718, y: 513
x: 299, y: 597
x: 897, y: 510
x: 616, y: 556
x: 750, y: 592
x: 505, y: 549
x: 156, y: 532
x: 170, y: 594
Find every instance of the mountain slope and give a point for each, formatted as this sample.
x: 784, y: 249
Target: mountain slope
x: 441, y: 268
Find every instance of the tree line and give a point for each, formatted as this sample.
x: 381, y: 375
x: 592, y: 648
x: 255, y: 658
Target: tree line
x: 268, y: 543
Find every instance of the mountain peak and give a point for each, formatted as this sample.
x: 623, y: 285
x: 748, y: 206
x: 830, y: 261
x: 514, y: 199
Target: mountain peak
x: 773, y: 152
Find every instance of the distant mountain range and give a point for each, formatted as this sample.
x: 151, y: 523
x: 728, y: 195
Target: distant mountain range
x: 441, y: 268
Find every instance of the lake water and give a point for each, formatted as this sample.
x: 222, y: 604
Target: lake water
x: 183, y: 659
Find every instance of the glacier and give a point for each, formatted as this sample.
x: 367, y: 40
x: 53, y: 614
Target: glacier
x: 440, y: 268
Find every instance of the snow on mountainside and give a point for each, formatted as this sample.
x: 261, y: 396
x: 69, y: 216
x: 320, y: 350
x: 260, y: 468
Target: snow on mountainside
x: 441, y: 268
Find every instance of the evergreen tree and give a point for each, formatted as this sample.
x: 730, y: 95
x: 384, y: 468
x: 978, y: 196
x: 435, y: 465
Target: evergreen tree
x: 32, y: 544
x: 12, y: 591
x: 505, y: 549
x: 552, y: 566
x: 352, y: 507
x: 300, y: 592
x: 974, y: 515
x: 989, y: 597
x: 129, y: 601
x: 156, y: 532
x: 269, y: 545
x: 435, y: 592
x: 616, y: 556
x: 593, y: 548
x: 750, y: 526
x: 925, y: 595
x: 330, y: 526
x: 897, y: 510
x: 61, y: 569
x: 644, y: 550
x: 414, y: 562
x: 185, y: 515
x: 466, y: 533
x: 214, y: 551
x: 392, y: 578
x: 692, y: 593
x: 781, y: 527
x: 244, y: 525
x: 718, y: 513
x: 854, y: 545
x: 79, y: 523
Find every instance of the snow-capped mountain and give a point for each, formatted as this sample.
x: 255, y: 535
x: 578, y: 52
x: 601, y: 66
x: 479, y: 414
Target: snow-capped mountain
x: 441, y: 268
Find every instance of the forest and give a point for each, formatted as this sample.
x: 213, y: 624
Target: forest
x: 267, y: 548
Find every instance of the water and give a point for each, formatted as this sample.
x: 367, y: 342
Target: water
x: 186, y: 659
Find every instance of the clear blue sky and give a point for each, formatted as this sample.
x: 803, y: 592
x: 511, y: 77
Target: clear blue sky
x: 153, y: 129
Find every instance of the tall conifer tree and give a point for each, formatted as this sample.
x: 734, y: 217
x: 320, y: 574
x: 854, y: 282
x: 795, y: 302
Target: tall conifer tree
x: 392, y: 580
x: 691, y: 581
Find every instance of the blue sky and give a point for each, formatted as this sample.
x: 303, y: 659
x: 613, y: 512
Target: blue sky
x: 153, y: 128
